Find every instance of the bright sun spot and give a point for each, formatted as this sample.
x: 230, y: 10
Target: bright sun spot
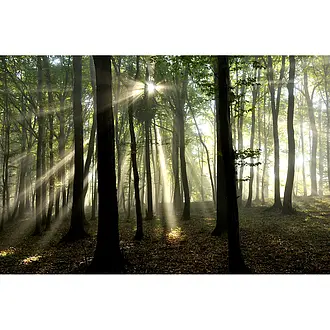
x: 175, y: 234
x: 151, y: 87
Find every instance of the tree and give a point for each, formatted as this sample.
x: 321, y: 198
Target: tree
x: 40, y: 153
x: 107, y: 256
x: 255, y: 95
x: 287, y: 202
x: 275, y: 111
x: 236, y: 262
x: 50, y: 140
x: 311, y: 115
x: 139, y: 229
x: 77, y: 230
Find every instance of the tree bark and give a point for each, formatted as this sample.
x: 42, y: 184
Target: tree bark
x: 50, y: 142
x: 107, y: 257
x: 139, y: 228
x: 236, y: 262
x: 275, y: 111
x: 77, y: 230
x: 287, y: 201
x: 39, y: 197
x: 255, y: 95
x: 311, y: 116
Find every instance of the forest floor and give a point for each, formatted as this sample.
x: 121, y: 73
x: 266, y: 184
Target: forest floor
x: 270, y: 243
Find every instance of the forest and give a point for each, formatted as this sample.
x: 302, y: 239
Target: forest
x: 164, y: 164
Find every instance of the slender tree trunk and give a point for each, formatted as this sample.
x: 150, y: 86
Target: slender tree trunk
x: 175, y: 165
x: 39, y: 196
x: 255, y: 95
x: 275, y: 112
x: 287, y: 201
x: 139, y: 228
x: 320, y: 154
x: 150, y: 213
x: 311, y: 116
x: 206, y: 151
x: 325, y: 71
x: 107, y: 257
x: 91, y: 142
x: 240, y: 121
x: 51, y: 137
x: 303, y: 154
x: 6, y: 147
x: 22, y: 179
x: 257, y: 199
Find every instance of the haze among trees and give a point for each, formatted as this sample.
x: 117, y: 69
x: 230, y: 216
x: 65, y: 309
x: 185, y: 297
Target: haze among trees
x: 164, y: 164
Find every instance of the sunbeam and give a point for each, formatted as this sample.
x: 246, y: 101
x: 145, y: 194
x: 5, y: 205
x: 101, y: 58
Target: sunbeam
x: 168, y: 206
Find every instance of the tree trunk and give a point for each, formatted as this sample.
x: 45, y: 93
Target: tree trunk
x: 325, y: 71
x: 139, y: 229
x: 150, y: 213
x: 320, y: 154
x: 175, y: 165
x: 303, y: 153
x: 240, y: 121
x: 107, y: 257
x: 206, y: 151
x: 51, y: 136
x: 39, y: 197
x: 275, y: 111
x: 236, y: 262
x: 287, y: 201
x: 255, y: 95
x: 78, y: 215
x: 311, y: 116
x: 221, y: 203
x: 91, y: 142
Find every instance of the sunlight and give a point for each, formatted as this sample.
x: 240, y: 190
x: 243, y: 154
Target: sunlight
x: 300, y: 160
x: 175, y: 234
x: 7, y: 252
x: 151, y: 87
x: 168, y: 206
x: 46, y: 238
x: 29, y: 260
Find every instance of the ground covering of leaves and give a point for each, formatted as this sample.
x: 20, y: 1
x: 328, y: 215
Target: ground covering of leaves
x: 270, y: 242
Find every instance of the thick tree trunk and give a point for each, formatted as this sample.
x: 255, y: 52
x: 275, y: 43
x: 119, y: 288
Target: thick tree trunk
x: 78, y: 215
x: 236, y: 262
x: 107, y: 257
x: 221, y: 202
x: 287, y: 201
